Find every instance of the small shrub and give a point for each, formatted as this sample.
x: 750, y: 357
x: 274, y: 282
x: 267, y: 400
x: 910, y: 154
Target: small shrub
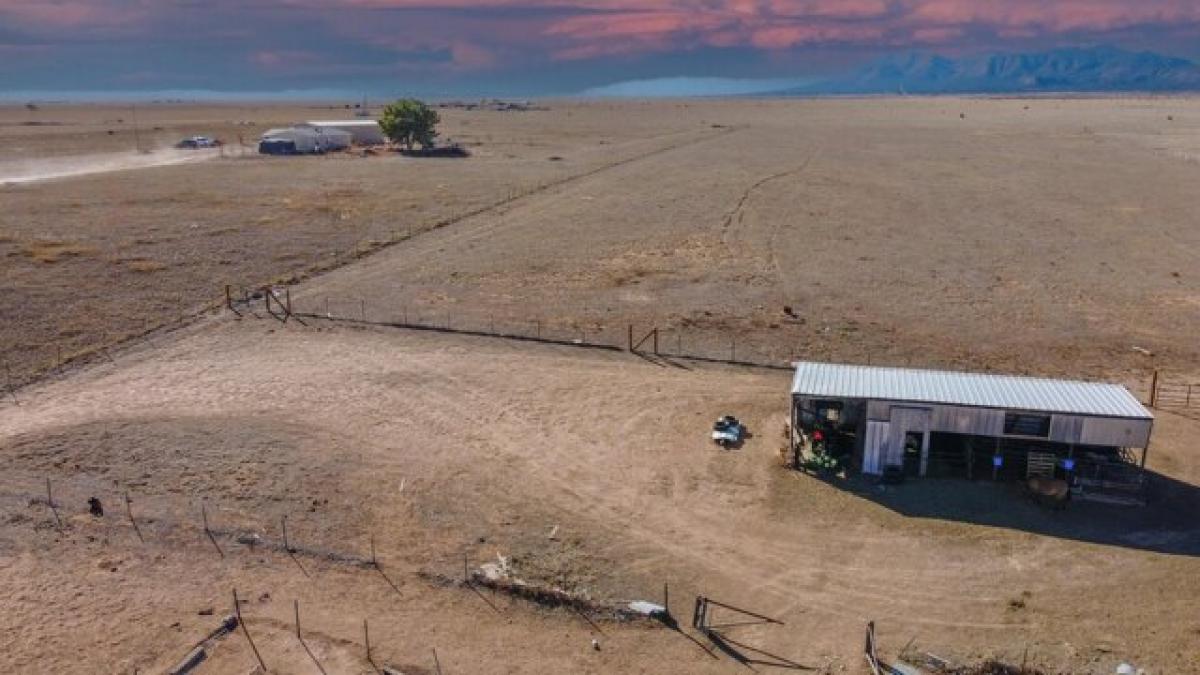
x: 145, y: 266
x: 51, y: 251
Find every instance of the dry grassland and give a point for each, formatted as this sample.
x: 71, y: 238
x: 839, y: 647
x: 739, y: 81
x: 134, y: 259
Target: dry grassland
x: 1041, y: 236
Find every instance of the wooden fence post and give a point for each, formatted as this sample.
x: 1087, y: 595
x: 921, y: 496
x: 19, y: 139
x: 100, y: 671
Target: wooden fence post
x: 237, y: 609
x: 1154, y: 388
x: 630, y: 337
x: 207, y: 531
x: 50, y: 503
x: 129, y: 512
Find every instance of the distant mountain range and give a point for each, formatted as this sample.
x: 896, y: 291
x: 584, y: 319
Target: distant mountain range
x: 1084, y: 70
x: 1096, y: 69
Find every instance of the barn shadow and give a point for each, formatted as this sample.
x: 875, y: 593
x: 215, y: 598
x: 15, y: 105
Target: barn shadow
x: 1166, y: 524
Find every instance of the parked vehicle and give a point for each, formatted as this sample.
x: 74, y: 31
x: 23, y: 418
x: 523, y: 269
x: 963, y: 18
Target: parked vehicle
x: 195, y: 142
x: 728, y: 431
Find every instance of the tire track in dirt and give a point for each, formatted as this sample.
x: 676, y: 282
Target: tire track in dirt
x: 422, y: 242
x: 600, y: 503
x: 741, y: 203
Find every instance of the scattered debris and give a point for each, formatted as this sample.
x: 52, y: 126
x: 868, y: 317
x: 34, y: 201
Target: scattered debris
x: 992, y: 667
x: 207, y: 611
x: 200, y: 652
x: 498, y: 577
x: 647, y: 608
x: 95, y: 507
x: 595, y: 644
x: 250, y: 539
x: 553, y: 533
x: 189, y: 662
x: 1143, y: 351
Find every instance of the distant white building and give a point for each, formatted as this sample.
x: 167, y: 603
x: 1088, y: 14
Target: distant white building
x: 362, y: 132
x: 303, y: 140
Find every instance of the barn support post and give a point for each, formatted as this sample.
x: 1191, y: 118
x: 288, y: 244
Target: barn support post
x: 793, y: 455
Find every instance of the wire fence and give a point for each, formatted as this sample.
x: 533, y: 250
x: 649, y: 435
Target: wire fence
x: 740, y: 348
x: 158, y: 519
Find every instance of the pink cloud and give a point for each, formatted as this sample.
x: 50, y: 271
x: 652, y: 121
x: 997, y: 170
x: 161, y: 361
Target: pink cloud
x: 71, y: 13
x: 484, y: 34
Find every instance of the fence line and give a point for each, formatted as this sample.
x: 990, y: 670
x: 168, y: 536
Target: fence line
x: 704, y: 347
x: 1177, y: 395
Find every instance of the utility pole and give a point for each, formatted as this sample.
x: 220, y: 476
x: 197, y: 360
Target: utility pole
x: 137, y: 139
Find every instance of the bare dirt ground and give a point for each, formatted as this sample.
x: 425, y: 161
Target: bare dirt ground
x: 92, y: 260
x: 442, y: 446
x: 1031, y: 236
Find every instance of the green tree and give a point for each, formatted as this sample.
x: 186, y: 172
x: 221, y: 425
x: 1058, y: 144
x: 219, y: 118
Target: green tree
x: 410, y: 121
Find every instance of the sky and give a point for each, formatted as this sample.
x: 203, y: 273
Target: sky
x: 447, y: 48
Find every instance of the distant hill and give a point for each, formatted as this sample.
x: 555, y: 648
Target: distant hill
x: 1097, y: 69
x: 666, y: 87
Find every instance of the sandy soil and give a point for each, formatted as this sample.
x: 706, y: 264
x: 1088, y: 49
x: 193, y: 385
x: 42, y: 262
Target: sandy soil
x: 896, y: 230
x: 38, y: 170
x: 441, y: 447
x: 1030, y: 236
x: 164, y: 242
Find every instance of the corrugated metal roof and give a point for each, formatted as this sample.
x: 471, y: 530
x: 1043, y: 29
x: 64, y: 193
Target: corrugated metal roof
x: 343, y: 123
x: 967, y: 389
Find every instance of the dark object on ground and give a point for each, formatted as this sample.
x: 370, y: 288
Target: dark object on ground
x: 95, y: 507
x: 452, y: 151
x: 994, y: 668
x: 728, y: 431
x: 1052, y: 492
x: 893, y: 475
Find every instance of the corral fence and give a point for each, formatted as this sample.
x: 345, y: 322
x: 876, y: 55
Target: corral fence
x: 1168, y: 394
x: 662, y: 346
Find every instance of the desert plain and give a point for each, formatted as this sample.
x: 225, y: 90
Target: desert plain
x: 1044, y: 236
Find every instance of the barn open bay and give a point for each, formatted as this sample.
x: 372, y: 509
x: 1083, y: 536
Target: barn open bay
x: 1048, y: 237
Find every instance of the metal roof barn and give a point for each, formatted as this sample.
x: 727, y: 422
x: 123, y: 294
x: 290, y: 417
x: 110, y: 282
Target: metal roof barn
x: 363, y: 132
x: 888, y: 421
x: 967, y: 389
